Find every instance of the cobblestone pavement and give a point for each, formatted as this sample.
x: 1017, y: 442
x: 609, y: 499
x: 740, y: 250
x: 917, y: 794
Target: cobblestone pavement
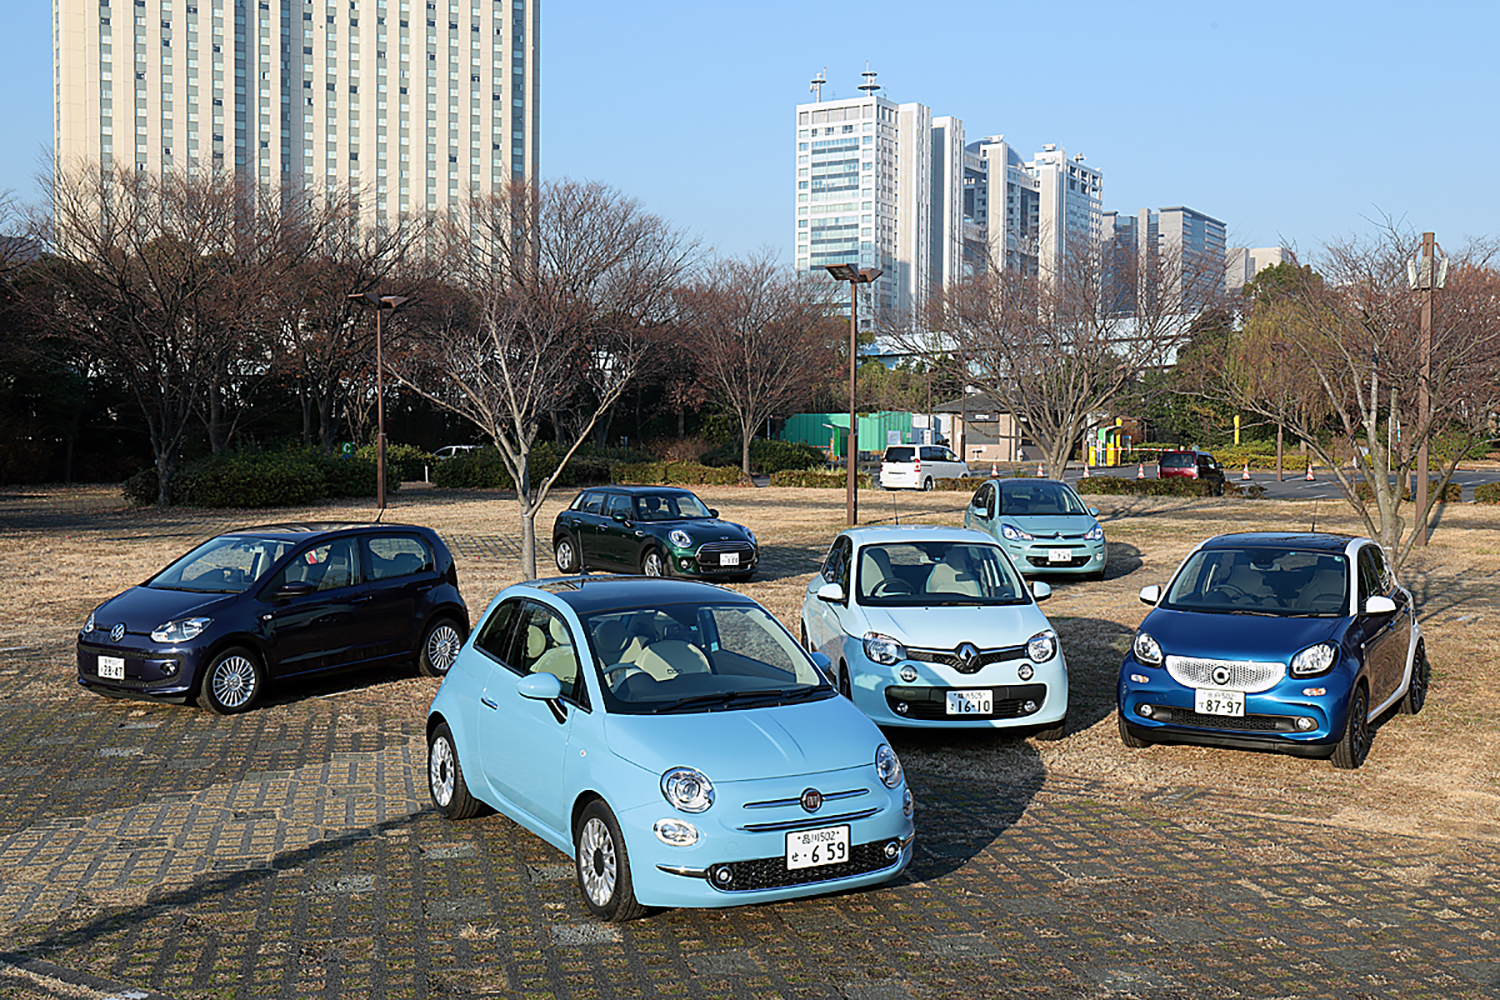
x: 291, y: 853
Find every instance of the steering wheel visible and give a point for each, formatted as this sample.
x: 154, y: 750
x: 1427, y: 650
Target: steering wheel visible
x: 891, y: 586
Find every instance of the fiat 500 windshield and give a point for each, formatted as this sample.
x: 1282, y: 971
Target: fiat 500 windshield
x: 699, y: 658
x: 926, y: 573
x: 1262, y: 580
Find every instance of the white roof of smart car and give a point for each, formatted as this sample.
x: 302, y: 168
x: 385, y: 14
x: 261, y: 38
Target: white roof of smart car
x: 897, y: 534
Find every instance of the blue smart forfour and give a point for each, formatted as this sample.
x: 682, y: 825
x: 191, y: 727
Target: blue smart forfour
x: 674, y: 739
x: 1285, y: 642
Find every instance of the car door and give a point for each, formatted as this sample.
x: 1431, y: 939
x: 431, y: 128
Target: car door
x: 1395, y: 648
x: 952, y: 467
x: 828, y: 615
x: 325, y: 627
x: 1381, y: 637
x: 397, y: 572
x: 526, y: 740
x: 582, y: 521
x: 981, y: 512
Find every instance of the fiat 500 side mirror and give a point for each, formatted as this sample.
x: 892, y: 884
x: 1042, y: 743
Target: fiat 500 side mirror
x: 542, y: 687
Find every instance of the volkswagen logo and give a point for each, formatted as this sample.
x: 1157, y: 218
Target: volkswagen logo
x: 1220, y: 676
x: 812, y: 800
x: 968, y: 653
x: 117, y: 633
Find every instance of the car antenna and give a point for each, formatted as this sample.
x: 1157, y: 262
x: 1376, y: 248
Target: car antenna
x: 1314, y: 528
x: 894, y: 510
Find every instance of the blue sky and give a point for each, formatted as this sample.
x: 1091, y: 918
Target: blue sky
x: 1297, y: 122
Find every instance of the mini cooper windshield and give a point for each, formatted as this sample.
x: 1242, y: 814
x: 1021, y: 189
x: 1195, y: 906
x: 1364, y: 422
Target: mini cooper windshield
x: 927, y: 573
x: 669, y: 507
x: 699, y: 658
x: 1038, y: 498
x: 1264, y: 580
x: 225, y: 565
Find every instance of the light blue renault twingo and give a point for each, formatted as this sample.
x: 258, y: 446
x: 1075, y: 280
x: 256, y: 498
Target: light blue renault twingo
x: 674, y: 739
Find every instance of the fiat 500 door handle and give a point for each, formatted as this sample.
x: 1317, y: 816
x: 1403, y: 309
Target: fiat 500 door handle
x: 487, y: 703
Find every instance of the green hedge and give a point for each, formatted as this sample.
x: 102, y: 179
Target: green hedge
x: 1487, y: 493
x: 1174, y: 486
x: 407, y: 459
x: 485, y: 470
x: 770, y: 457
x: 1452, y: 493
x: 676, y: 474
x: 263, y: 479
x: 819, y: 479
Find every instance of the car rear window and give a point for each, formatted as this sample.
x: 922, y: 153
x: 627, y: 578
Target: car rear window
x: 1177, y: 460
x: 900, y: 454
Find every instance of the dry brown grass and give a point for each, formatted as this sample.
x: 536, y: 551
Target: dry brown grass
x: 61, y: 552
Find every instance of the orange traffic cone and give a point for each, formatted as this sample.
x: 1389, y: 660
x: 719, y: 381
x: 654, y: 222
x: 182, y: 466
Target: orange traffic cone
x: 1310, y: 477
x: 994, y: 470
x: 1247, y: 471
x: 1085, y: 470
x: 1040, y: 472
x: 1140, y: 472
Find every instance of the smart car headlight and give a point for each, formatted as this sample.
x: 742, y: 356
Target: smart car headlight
x: 881, y: 648
x: 1094, y: 534
x: 688, y: 789
x: 180, y: 631
x: 1014, y: 534
x: 1042, y: 647
x: 1147, y: 650
x: 680, y: 538
x: 1314, y: 660
x: 888, y: 766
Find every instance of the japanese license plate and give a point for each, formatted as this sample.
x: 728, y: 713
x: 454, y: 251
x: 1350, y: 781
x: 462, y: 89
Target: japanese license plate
x: 971, y: 702
x: 815, y: 848
x: 729, y: 559
x: 1212, y: 701
x: 112, y: 668
x: 1059, y: 555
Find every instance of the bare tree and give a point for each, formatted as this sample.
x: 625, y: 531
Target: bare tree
x: 1332, y: 353
x: 551, y: 288
x: 763, y: 338
x: 1058, y: 348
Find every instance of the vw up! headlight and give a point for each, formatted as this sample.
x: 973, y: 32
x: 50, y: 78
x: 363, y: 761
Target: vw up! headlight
x: 183, y: 630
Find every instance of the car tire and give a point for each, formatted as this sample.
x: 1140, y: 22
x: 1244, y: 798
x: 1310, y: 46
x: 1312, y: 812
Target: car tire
x: 566, y: 554
x: 445, y: 777
x: 1354, y: 745
x: 653, y: 563
x: 1421, y: 680
x: 845, y: 688
x: 1052, y: 733
x: 1129, y: 738
x: 802, y: 634
x: 927, y: 485
x: 603, y: 866
x: 440, y: 645
x: 232, y: 683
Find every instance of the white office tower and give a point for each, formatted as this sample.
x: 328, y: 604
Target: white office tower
x: 412, y: 103
x: 864, y: 195
x: 947, y: 240
x: 1243, y: 263
x: 1024, y: 213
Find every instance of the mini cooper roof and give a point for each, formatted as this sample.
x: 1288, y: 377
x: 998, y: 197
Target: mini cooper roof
x: 588, y: 594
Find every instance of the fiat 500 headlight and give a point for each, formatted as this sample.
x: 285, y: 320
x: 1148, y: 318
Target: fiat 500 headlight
x: 680, y: 538
x: 1147, y: 650
x: 180, y: 631
x: 1314, y: 660
x: 888, y: 766
x: 688, y: 789
x: 1094, y: 534
x: 1014, y: 534
x: 882, y: 648
x: 1042, y: 647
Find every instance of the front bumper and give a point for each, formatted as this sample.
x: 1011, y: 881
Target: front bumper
x: 741, y: 849
x: 708, y: 560
x: 156, y: 672
x: 888, y: 699
x: 1034, y: 558
x: 1159, y: 708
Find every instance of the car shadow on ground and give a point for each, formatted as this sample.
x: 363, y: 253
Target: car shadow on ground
x: 291, y: 690
x: 782, y: 562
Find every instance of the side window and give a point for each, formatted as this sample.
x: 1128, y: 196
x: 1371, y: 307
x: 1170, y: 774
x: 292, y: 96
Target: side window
x: 384, y: 557
x: 831, y: 564
x: 495, y: 634
x: 326, y: 567
x: 546, y: 647
x: 1382, y: 572
x: 846, y: 551
x: 1369, y: 575
x: 983, y: 497
x: 591, y: 503
x: 619, y: 506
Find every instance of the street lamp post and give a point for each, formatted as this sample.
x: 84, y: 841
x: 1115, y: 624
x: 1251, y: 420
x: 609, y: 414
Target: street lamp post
x: 855, y: 276
x: 1427, y: 272
x: 379, y: 302
x: 1280, y: 350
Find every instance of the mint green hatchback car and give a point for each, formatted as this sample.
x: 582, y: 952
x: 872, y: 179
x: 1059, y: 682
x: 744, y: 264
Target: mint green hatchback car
x: 1043, y: 525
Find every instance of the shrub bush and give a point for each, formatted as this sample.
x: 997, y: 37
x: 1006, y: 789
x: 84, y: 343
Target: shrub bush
x: 1176, y: 486
x: 675, y: 474
x: 1452, y: 493
x: 407, y: 459
x: 1487, y: 493
x: 819, y: 479
x: 770, y: 457
x: 485, y: 470
x: 263, y: 479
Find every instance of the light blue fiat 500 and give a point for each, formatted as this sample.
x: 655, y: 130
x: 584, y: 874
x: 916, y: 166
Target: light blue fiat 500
x: 674, y: 739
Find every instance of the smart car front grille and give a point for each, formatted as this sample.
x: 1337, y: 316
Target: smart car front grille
x: 772, y: 873
x: 1232, y: 675
x: 1238, y: 723
x: 950, y: 657
x: 931, y: 703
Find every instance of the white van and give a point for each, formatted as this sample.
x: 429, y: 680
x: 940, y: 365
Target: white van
x: 919, y: 466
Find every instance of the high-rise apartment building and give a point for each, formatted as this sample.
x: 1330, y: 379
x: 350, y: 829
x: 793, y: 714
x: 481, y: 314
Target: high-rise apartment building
x: 412, y: 103
x: 864, y: 195
x: 947, y: 240
x: 1024, y: 213
x: 1184, y: 247
x: 1243, y: 263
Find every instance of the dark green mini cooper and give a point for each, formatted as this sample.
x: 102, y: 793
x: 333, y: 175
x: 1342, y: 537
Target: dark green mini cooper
x: 655, y: 530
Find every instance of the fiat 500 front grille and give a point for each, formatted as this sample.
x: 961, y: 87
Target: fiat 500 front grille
x: 772, y: 873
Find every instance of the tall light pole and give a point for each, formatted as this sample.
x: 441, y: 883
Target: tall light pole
x: 1428, y: 273
x: 1280, y: 349
x: 379, y: 302
x: 855, y: 276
